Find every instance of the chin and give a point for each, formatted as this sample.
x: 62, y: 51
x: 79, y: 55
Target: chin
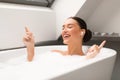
x: 65, y: 42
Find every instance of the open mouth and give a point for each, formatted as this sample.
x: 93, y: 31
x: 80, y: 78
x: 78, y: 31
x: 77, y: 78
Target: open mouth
x: 66, y: 36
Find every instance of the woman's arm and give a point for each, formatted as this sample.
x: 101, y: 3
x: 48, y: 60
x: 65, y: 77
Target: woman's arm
x: 94, y: 50
x: 28, y: 40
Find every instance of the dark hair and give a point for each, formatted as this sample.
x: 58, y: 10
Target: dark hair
x: 83, y: 25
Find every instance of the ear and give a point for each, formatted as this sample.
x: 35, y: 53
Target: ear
x: 82, y: 32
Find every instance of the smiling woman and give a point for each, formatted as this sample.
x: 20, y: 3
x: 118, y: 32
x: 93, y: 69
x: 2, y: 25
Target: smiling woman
x: 74, y: 32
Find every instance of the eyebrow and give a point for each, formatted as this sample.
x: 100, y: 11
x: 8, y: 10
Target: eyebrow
x: 68, y: 24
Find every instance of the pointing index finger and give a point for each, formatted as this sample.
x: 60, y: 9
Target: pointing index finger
x: 26, y: 29
x: 102, y: 44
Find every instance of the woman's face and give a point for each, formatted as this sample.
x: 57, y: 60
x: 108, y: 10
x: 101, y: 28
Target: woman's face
x: 71, y: 32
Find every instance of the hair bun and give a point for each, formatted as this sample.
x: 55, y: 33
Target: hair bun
x: 87, y: 36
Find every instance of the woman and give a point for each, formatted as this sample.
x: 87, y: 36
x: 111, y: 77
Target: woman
x: 74, y: 33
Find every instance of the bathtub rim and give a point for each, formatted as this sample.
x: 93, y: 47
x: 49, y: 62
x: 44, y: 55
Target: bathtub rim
x: 54, y: 46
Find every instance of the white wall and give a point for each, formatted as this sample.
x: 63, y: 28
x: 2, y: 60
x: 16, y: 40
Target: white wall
x: 13, y: 19
x: 106, y: 18
x: 88, y: 9
x: 65, y: 9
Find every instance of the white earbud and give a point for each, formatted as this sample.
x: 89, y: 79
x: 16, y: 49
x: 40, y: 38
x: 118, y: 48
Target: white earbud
x: 82, y: 33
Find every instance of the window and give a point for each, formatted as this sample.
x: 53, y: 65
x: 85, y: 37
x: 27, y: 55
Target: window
x: 44, y: 3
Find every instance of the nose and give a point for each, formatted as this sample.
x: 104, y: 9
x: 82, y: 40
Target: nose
x: 64, y: 30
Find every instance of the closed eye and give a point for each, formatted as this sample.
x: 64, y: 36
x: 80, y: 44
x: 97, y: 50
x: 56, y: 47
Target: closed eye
x: 70, y: 26
x: 63, y: 27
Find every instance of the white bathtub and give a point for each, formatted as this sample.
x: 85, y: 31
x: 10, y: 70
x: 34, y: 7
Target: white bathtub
x: 47, y: 66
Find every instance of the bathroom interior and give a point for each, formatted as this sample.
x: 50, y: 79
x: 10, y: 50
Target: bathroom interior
x: 45, y: 21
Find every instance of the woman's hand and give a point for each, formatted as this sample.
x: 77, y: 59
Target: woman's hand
x: 28, y: 40
x: 94, y: 50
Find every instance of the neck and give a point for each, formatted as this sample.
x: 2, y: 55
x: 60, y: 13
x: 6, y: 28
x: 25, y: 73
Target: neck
x: 75, y: 48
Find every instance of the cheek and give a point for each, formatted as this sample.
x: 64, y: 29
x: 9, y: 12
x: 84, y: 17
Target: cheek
x: 75, y: 33
x: 62, y: 33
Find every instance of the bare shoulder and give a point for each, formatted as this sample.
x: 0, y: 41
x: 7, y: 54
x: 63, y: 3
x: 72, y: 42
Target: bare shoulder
x: 60, y: 51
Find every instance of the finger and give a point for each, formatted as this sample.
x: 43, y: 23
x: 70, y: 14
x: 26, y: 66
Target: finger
x: 26, y: 29
x: 26, y: 38
x: 29, y: 33
x: 102, y: 44
x: 91, y: 48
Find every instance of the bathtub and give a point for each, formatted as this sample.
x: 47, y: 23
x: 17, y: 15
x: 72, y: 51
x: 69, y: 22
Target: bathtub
x: 47, y: 66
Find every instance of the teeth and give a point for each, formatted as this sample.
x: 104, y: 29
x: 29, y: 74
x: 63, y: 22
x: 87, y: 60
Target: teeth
x: 66, y: 36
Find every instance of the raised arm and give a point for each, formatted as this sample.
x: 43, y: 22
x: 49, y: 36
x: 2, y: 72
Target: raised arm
x: 28, y: 40
x: 94, y: 50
